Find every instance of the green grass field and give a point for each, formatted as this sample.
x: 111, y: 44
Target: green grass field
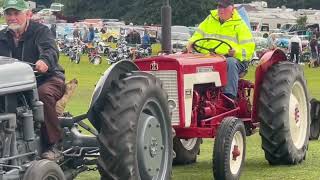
x: 256, y: 167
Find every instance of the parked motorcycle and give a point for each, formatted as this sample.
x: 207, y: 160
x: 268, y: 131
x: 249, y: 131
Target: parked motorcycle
x: 143, y: 52
x: 75, y: 54
x: 75, y: 51
x: 94, y: 56
x: 103, y: 48
x: 121, y: 52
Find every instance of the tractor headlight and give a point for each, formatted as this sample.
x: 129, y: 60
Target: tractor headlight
x: 172, y: 105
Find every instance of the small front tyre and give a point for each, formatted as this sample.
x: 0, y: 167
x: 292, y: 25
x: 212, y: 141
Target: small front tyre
x: 44, y: 170
x: 186, y: 150
x: 229, y: 149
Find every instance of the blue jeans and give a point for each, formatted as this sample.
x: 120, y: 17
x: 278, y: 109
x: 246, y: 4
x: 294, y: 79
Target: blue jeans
x: 234, y: 68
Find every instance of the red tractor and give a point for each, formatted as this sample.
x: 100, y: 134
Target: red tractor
x: 276, y: 104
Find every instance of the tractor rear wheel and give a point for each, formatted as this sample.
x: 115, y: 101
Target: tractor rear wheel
x: 186, y: 150
x: 229, y: 149
x: 315, y: 119
x: 135, y: 135
x: 283, y: 110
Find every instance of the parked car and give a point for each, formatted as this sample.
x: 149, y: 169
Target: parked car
x: 179, y: 38
x: 179, y: 41
x: 45, y: 12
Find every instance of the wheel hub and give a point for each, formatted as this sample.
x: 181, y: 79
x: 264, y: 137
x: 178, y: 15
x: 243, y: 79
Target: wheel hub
x: 150, y: 144
x: 235, y: 152
x: 298, y: 116
x: 153, y: 147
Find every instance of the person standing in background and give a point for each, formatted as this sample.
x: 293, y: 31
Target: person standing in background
x: 314, y: 62
x: 295, y: 48
x: 272, y: 42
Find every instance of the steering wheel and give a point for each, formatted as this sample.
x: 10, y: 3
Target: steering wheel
x: 198, y: 48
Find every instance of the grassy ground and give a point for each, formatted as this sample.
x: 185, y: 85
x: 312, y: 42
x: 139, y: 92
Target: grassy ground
x: 256, y: 167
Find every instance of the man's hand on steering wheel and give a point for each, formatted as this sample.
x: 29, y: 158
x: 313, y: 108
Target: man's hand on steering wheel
x: 41, y: 66
x: 198, y: 47
x: 189, y: 47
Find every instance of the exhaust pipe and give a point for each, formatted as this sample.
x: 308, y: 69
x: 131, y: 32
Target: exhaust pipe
x: 166, y: 27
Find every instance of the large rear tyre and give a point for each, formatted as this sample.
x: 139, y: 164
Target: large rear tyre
x: 135, y: 136
x: 315, y: 119
x: 186, y: 150
x: 283, y: 110
x: 44, y: 170
x: 229, y: 149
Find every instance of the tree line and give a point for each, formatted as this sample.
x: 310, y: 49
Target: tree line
x: 184, y: 12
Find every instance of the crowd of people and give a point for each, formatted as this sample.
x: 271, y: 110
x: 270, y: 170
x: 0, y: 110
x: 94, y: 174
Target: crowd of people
x: 132, y: 36
x: 296, y: 49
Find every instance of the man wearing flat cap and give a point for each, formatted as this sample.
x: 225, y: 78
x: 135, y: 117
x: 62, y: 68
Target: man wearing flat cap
x: 34, y: 43
x: 226, y: 24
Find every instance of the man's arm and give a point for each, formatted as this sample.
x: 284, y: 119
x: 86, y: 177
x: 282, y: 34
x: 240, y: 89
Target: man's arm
x: 48, y: 51
x: 246, y: 44
x: 198, y: 34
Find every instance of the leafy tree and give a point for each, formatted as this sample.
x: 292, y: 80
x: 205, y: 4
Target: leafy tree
x: 184, y: 12
x: 47, y: 3
x: 302, y: 22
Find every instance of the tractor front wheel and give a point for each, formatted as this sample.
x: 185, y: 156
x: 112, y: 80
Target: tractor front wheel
x: 135, y: 135
x: 229, y: 149
x: 44, y: 170
x: 283, y: 111
x: 186, y: 150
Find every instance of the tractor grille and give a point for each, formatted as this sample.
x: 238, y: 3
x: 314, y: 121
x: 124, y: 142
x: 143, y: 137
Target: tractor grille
x: 170, y: 85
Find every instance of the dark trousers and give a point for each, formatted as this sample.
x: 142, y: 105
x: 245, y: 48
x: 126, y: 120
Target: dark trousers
x: 49, y: 93
x: 294, y: 54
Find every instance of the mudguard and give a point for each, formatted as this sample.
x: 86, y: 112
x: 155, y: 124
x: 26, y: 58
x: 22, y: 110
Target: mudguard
x: 112, y: 73
x: 267, y: 60
x: 15, y: 76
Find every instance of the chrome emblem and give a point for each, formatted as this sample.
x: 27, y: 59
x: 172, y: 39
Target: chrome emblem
x: 154, y: 66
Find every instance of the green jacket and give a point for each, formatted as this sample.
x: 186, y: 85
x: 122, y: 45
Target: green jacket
x: 234, y: 31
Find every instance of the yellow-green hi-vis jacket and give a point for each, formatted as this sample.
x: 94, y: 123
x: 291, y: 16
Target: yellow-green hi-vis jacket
x: 234, y: 31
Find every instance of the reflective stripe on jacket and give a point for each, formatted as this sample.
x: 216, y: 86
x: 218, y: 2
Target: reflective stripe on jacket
x: 234, y: 31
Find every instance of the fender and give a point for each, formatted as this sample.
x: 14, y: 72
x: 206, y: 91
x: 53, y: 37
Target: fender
x: 112, y: 73
x: 267, y: 60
